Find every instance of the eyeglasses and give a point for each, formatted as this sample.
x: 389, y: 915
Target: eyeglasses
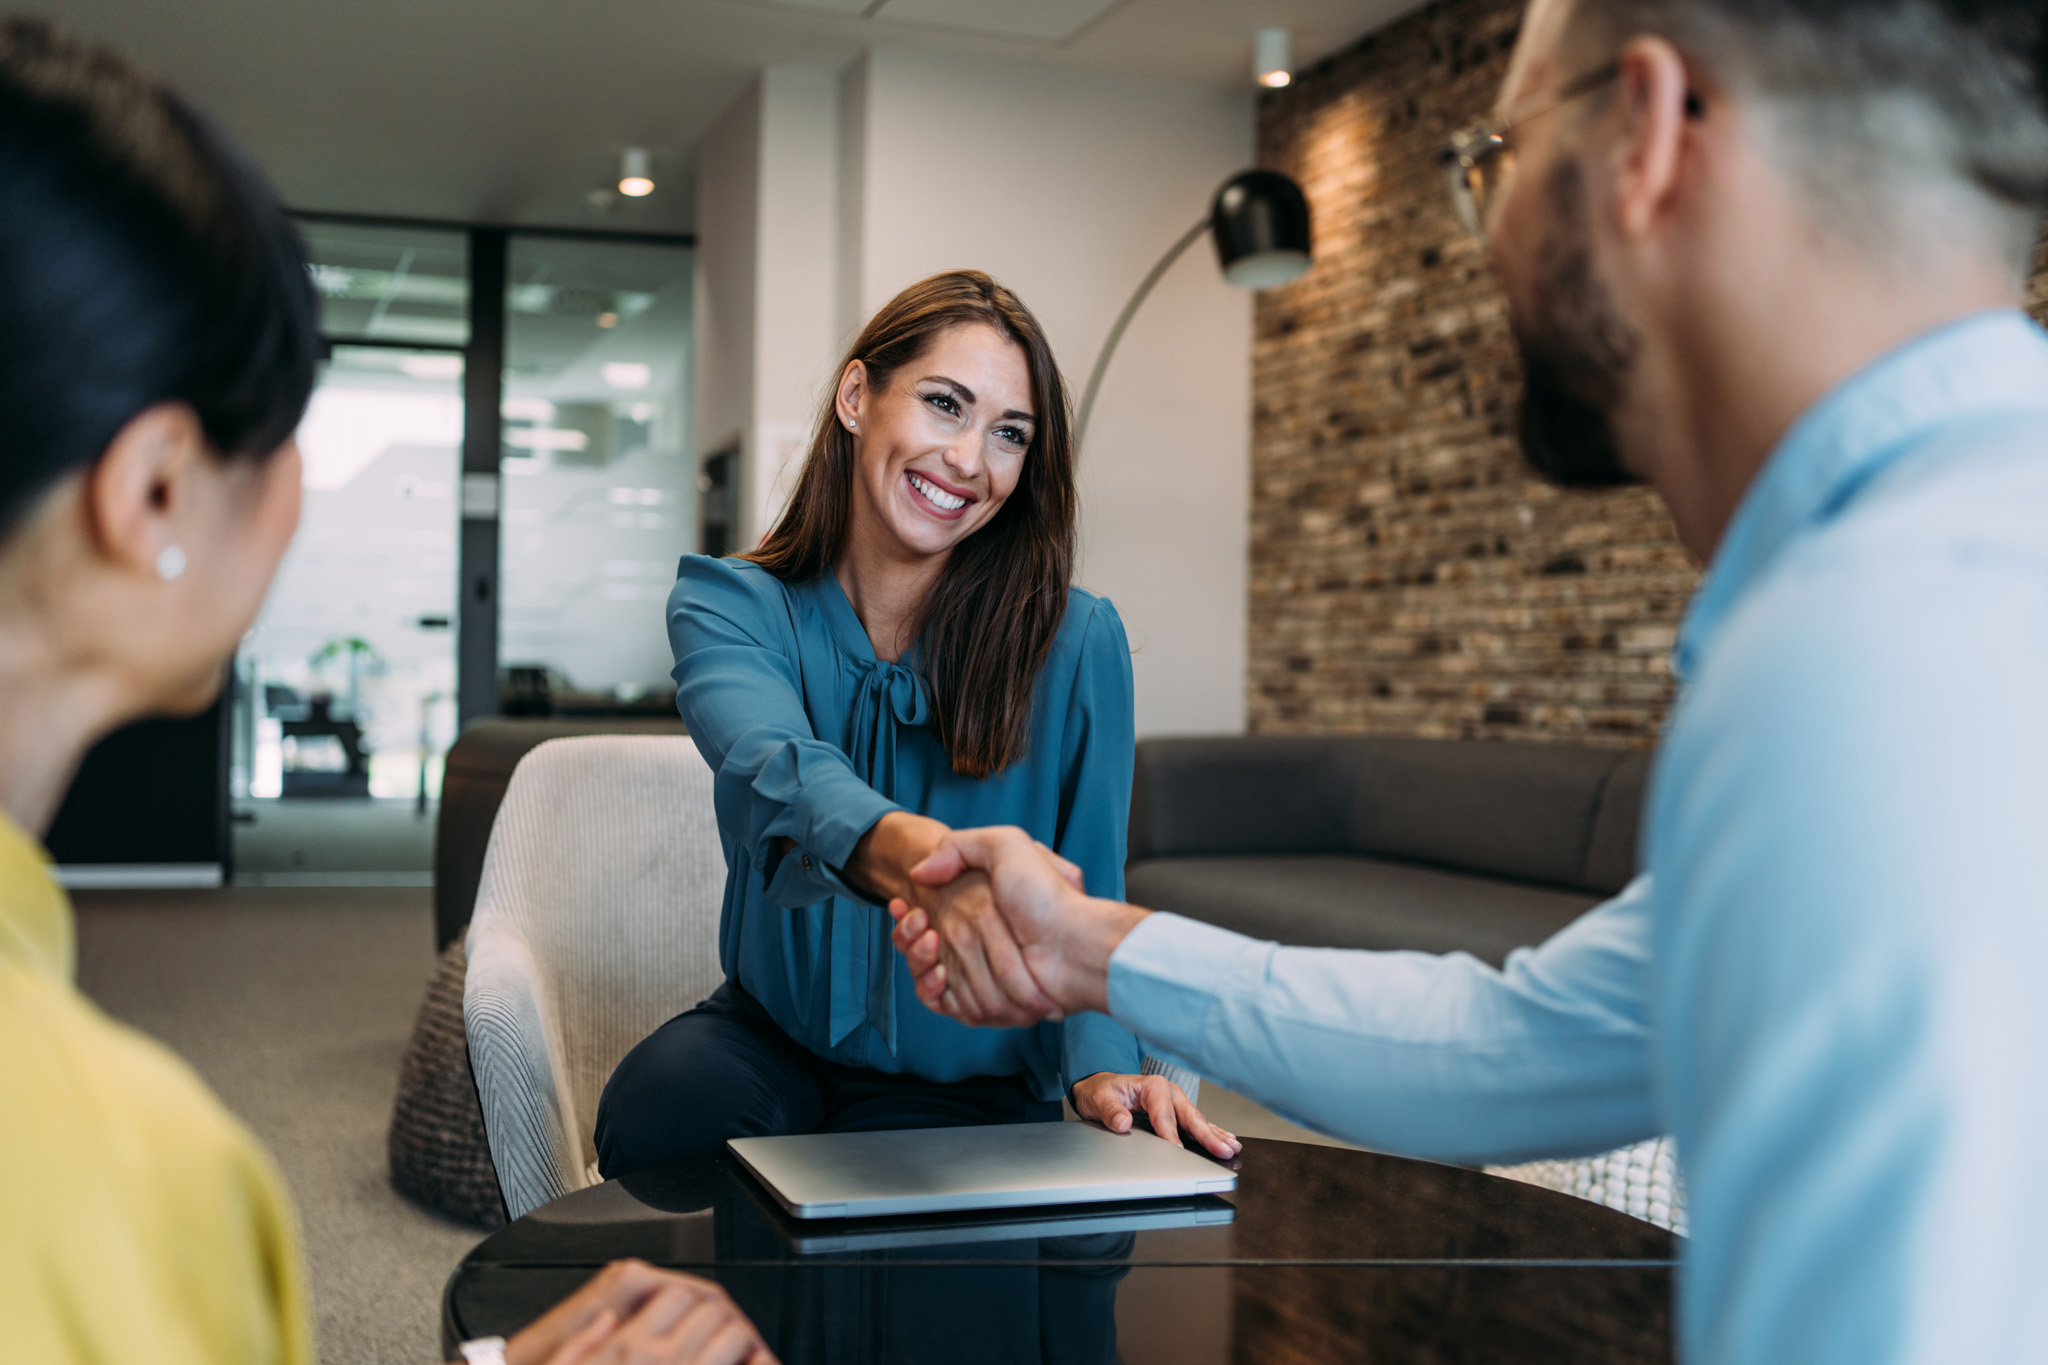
x: 1479, y: 160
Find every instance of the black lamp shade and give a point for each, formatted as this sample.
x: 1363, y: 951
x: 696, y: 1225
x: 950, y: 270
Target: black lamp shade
x: 1260, y: 223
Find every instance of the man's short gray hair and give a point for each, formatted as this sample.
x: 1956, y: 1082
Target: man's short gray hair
x: 1875, y: 91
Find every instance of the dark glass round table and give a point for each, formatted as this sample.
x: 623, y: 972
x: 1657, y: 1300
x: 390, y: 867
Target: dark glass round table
x: 1321, y: 1254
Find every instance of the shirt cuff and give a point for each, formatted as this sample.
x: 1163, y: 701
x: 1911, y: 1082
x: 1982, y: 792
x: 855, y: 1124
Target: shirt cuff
x: 845, y: 810
x: 1095, y: 1042
x: 1165, y: 976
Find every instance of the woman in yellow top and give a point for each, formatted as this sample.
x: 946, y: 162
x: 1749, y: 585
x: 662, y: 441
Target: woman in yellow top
x: 157, y: 345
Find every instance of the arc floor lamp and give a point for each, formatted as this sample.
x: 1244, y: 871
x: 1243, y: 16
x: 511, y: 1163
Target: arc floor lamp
x: 1259, y: 221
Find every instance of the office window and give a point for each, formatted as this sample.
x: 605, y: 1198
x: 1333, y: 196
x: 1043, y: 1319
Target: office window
x: 390, y: 285
x: 345, y: 686
x: 598, y: 499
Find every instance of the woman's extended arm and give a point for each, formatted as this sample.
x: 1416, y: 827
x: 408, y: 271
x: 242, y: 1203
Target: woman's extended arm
x: 795, y: 804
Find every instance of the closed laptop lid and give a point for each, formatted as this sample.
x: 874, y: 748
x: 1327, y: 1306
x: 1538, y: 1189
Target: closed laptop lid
x: 994, y: 1166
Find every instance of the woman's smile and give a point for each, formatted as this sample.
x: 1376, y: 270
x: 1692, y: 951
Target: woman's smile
x: 937, y: 497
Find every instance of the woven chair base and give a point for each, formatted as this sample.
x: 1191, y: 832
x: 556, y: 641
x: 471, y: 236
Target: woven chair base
x: 439, y: 1155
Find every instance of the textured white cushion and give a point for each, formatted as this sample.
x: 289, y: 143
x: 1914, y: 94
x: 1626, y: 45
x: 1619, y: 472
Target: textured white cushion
x: 1642, y: 1180
x: 596, y: 921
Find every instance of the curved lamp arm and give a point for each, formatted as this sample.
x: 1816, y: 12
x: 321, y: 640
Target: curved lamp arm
x: 1123, y: 320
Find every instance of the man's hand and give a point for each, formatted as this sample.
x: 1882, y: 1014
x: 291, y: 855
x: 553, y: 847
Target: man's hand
x: 1111, y: 1100
x: 981, y: 974
x: 629, y: 1313
x: 1036, y: 948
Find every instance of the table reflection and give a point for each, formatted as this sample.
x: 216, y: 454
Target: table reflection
x: 1056, y: 1302
x: 1092, y: 1309
x: 1320, y: 1254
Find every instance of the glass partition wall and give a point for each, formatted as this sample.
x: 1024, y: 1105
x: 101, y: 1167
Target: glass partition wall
x: 346, y: 687
x: 597, y: 500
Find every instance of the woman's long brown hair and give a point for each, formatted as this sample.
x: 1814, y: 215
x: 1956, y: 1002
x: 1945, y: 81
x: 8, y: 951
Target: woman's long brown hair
x: 990, y: 619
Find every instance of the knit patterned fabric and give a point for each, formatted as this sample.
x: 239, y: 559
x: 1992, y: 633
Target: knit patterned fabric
x: 1642, y: 1181
x: 596, y: 922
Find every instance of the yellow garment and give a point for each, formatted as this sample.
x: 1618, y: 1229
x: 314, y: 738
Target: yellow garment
x: 140, y: 1223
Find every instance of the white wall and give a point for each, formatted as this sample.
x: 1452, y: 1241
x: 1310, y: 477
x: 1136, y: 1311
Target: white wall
x: 1067, y: 187
x: 728, y: 216
x: 797, y: 292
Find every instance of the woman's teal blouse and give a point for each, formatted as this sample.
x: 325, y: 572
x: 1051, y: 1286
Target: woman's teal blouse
x: 814, y: 739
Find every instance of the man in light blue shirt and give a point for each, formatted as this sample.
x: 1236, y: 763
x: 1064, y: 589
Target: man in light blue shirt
x: 1767, y: 256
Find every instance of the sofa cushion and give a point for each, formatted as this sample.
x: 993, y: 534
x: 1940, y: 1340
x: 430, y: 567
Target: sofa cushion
x: 1342, y: 901
x: 1611, y: 851
x: 1514, y: 810
x: 1251, y: 794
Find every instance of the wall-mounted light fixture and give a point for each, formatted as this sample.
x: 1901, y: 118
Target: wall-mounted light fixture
x: 1272, y: 58
x: 636, y: 173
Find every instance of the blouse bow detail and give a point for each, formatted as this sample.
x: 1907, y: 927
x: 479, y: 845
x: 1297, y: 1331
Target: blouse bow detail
x: 889, y: 696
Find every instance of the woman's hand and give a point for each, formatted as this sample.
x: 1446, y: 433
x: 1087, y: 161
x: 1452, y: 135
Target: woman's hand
x: 629, y: 1313
x: 881, y: 861
x: 1111, y: 1100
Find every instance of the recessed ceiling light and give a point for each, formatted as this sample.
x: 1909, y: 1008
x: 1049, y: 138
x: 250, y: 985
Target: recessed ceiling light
x: 636, y: 173
x: 1272, y: 58
x: 529, y: 409
x: 432, y: 366
x: 548, y: 438
x: 627, y: 374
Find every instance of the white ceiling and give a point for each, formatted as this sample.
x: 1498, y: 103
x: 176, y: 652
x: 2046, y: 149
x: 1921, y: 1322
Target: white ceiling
x: 512, y: 110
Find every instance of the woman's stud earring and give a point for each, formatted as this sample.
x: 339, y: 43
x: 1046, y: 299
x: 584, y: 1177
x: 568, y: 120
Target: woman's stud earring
x: 171, y: 563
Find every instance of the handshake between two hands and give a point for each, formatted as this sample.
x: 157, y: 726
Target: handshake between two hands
x: 999, y: 932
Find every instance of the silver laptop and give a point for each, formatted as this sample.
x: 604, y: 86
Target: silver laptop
x: 934, y: 1230
x: 994, y: 1166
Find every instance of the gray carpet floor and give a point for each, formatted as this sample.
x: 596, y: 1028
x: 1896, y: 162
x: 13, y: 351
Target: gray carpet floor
x: 295, y: 1005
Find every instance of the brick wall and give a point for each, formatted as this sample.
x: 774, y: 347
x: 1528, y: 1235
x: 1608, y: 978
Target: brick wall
x: 1407, y: 575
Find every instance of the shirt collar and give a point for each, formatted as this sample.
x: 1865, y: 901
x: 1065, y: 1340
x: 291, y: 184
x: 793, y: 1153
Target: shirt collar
x: 1981, y: 363
x: 35, y: 916
x: 848, y: 632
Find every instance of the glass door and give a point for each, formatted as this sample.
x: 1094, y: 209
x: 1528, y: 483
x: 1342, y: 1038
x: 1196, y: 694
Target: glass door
x: 598, y: 494
x: 345, y: 686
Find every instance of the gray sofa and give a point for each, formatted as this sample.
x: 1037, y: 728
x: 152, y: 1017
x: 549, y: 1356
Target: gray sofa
x: 1359, y: 842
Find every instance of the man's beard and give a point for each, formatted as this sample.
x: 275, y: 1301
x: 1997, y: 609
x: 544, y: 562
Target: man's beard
x: 1576, y: 353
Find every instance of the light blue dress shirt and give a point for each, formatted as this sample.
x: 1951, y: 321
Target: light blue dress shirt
x: 1830, y: 986
x: 814, y: 739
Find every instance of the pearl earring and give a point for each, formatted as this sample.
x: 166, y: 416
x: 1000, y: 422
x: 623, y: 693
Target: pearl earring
x: 171, y: 563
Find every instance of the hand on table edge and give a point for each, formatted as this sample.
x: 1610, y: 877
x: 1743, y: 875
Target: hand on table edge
x: 1112, y: 1099
x: 1042, y: 942
x: 654, y: 1315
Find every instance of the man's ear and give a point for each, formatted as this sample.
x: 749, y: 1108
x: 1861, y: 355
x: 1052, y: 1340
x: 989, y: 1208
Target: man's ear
x: 1654, y: 103
x: 136, y: 495
x: 852, y: 397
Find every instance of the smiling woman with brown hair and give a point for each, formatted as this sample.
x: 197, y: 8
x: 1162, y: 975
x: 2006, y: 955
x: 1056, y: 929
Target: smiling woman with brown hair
x: 904, y: 653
